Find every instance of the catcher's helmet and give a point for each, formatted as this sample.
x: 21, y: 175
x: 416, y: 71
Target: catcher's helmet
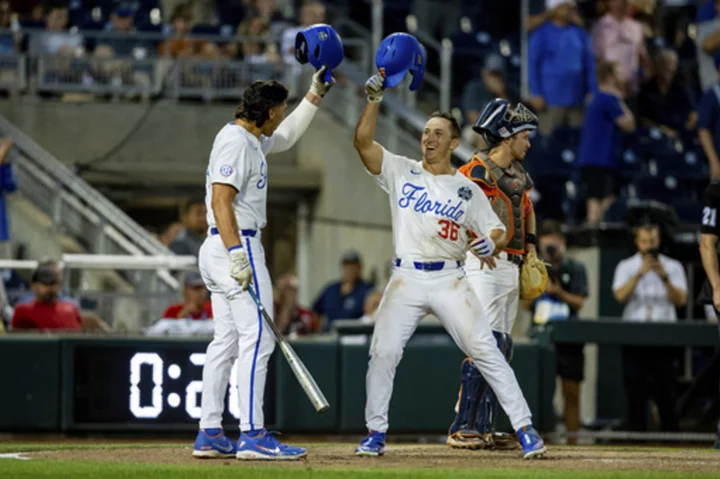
x: 320, y: 45
x: 399, y: 53
x: 497, y: 121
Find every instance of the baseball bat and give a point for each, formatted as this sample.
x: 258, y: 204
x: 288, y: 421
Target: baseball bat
x: 317, y: 398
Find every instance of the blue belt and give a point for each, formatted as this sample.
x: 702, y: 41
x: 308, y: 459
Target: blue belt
x: 429, y: 266
x: 250, y: 233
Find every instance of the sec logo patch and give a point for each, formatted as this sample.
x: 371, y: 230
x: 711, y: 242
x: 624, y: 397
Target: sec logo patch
x: 226, y: 170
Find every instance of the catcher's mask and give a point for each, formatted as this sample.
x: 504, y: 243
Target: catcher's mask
x: 497, y: 121
x: 320, y: 45
x: 398, y: 54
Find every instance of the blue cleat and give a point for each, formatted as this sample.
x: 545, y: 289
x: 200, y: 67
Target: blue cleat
x: 531, y: 442
x: 212, y: 443
x: 373, y: 445
x: 264, y: 446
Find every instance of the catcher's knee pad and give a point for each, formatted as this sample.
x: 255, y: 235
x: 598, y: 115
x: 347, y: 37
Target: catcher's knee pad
x: 468, y: 397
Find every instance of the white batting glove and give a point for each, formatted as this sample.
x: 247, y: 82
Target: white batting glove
x: 482, y: 246
x: 374, y: 88
x: 319, y: 87
x: 240, y: 268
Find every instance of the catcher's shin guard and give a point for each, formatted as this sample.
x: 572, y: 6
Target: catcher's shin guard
x: 461, y: 435
x: 487, y: 410
x: 468, y: 396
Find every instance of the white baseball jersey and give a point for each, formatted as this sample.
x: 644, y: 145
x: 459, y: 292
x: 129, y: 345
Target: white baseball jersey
x: 432, y: 213
x: 237, y: 158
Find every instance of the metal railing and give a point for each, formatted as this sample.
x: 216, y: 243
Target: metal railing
x: 124, y: 310
x: 76, y: 208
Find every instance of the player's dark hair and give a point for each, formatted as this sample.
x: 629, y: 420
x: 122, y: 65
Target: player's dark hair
x: 550, y: 227
x: 258, y: 99
x: 454, y: 125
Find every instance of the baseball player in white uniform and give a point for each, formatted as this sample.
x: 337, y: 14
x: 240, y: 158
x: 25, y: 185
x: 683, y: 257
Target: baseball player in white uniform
x: 433, y: 208
x: 232, y: 259
x: 506, y: 184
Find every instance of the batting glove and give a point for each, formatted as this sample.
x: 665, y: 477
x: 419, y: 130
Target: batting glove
x: 374, y: 88
x: 319, y: 86
x: 482, y: 246
x: 240, y: 268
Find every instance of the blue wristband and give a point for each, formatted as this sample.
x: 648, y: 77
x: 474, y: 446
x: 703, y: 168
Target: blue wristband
x: 233, y: 248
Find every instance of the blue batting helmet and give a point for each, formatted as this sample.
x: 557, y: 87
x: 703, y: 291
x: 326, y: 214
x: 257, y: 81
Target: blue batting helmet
x: 497, y: 121
x: 399, y: 53
x: 320, y: 45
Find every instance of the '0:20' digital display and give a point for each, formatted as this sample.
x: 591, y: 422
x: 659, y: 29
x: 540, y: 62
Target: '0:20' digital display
x: 142, y: 386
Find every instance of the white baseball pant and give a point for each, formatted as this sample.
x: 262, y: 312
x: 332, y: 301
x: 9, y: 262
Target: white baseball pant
x: 499, y: 293
x: 447, y: 293
x: 239, y: 334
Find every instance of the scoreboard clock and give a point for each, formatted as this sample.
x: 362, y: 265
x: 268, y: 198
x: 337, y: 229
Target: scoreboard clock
x: 141, y: 385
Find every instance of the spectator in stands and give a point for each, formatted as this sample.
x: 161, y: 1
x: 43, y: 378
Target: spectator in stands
x: 168, y: 233
x: 202, y: 10
x: 268, y: 9
x: 565, y: 296
x: 8, y: 41
x: 709, y: 125
x: 561, y: 69
x: 290, y: 317
x: 257, y: 52
x: 56, y: 40
x: 664, y: 101
x: 179, y: 46
x: 650, y: 285
x: 7, y: 185
x: 480, y: 91
x: 541, y: 13
x: 372, y: 303
x: 111, y: 56
x: 708, y: 45
x: 600, y: 140
x: 344, y: 299
x: 196, y: 305
x: 194, y: 219
x: 618, y: 38
x: 46, y: 311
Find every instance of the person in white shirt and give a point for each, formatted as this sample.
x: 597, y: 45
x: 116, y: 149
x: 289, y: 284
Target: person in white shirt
x: 651, y: 286
x: 232, y: 259
x: 435, y: 210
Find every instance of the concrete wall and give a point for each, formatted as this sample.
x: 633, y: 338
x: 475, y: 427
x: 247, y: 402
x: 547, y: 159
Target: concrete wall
x: 348, y: 194
x: 77, y: 133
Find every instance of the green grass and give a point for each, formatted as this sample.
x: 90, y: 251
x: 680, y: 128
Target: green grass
x: 14, y: 447
x: 10, y: 468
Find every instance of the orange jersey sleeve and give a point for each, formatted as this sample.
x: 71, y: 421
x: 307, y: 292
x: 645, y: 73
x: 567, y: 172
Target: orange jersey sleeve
x: 476, y: 171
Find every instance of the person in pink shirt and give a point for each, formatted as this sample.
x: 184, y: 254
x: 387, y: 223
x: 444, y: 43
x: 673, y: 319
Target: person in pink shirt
x: 618, y: 38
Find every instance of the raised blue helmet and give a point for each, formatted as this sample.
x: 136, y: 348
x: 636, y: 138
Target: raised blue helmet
x: 498, y: 121
x: 398, y: 54
x: 320, y: 45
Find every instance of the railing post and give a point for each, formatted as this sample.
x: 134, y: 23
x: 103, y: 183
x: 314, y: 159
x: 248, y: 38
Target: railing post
x: 377, y: 25
x: 392, y: 143
x: 351, y: 106
x: 524, y: 13
x: 445, y: 74
x: 303, y: 249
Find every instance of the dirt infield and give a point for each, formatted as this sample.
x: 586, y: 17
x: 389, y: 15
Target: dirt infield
x: 427, y: 456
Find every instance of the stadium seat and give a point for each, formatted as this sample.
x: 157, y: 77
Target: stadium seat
x: 659, y: 188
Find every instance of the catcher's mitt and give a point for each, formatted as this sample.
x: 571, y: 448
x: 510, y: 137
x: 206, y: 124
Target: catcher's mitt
x: 533, y: 277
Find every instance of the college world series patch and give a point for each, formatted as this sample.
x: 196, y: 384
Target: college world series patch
x: 226, y: 170
x: 464, y: 193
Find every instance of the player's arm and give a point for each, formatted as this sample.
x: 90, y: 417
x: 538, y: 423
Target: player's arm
x: 530, y: 227
x: 293, y: 127
x: 371, y: 153
x: 711, y: 43
x: 226, y: 224
x: 487, y: 226
x: 708, y: 253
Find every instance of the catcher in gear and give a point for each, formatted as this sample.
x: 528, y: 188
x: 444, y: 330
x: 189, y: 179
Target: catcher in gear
x: 516, y: 272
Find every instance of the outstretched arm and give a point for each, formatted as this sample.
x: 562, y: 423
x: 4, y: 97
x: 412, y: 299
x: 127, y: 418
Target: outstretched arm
x: 293, y: 127
x: 371, y: 153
